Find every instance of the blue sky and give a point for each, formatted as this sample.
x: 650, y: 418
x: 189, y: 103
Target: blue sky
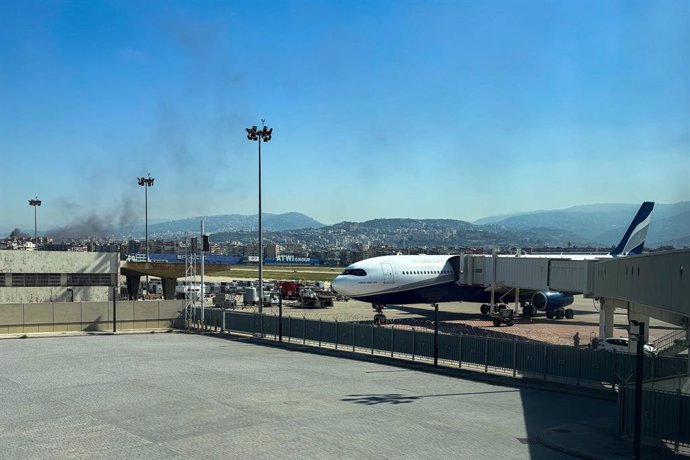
x: 443, y: 109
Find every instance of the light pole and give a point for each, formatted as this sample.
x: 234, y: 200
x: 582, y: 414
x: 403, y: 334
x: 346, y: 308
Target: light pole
x: 35, y: 203
x: 254, y: 134
x: 639, y: 374
x: 146, y: 182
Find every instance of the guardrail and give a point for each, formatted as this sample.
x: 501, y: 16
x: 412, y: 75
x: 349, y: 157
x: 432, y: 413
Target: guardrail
x: 670, y: 340
x: 665, y: 414
x: 557, y: 363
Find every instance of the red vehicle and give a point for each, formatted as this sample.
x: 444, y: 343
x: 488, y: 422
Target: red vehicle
x: 289, y: 290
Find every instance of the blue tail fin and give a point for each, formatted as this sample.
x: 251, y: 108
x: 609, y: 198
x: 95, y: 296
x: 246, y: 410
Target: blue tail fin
x: 633, y: 240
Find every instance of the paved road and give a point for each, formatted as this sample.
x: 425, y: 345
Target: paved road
x: 180, y: 396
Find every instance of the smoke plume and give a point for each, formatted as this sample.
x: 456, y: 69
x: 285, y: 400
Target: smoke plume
x: 17, y: 234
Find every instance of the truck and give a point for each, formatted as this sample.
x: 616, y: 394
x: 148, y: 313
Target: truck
x: 310, y: 297
x: 289, y: 290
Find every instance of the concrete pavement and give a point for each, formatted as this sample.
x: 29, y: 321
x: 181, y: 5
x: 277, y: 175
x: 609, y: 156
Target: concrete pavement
x: 180, y: 396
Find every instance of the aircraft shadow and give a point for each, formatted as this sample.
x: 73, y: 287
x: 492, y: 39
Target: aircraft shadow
x: 443, y: 315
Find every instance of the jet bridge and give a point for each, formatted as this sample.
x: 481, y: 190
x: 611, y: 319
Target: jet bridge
x: 552, y: 273
x: 649, y: 285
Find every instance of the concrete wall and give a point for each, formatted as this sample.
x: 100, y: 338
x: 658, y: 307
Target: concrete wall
x: 19, y: 318
x: 55, y: 294
x: 58, y: 262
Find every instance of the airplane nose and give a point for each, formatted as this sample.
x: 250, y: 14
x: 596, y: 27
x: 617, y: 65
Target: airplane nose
x: 337, y: 285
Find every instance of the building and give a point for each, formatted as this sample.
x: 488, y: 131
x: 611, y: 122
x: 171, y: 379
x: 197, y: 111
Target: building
x: 46, y: 276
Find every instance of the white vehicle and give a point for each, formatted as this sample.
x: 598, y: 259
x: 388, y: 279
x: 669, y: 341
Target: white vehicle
x: 621, y: 345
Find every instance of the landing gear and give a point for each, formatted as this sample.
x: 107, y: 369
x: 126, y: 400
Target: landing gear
x: 485, y: 309
x: 379, y: 317
x: 529, y: 310
x: 560, y: 313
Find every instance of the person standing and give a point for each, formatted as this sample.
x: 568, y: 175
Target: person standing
x: 576, y: 340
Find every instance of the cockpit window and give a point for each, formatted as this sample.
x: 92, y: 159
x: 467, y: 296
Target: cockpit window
x: 355, y: 272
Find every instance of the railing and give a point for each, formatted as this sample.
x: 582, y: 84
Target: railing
x: 670, y: 340
x: 665, y: 414
x: 556, y: 363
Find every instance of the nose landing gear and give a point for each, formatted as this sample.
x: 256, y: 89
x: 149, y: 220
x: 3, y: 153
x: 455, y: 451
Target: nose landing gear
x: 379, y: 317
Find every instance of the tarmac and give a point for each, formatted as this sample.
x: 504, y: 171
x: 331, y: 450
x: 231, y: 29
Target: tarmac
x: 462, y: 315
x: 225, y: 396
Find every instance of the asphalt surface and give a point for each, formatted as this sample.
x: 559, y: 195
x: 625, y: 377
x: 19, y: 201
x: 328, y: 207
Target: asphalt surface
x: 179, y: 396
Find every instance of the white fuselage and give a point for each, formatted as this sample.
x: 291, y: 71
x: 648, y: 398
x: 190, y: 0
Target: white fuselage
x: 390, y: 274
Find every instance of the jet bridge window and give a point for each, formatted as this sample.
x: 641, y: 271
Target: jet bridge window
x: 355, y: 272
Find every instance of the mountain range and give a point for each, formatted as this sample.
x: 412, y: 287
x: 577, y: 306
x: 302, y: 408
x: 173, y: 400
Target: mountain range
x: 605, y: 223
x: 600, y: 225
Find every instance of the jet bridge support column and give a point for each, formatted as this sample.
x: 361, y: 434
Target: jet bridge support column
x: 517, y: 300
x: 133, y: 282
x: 168, y: 288
x: 608, y: 307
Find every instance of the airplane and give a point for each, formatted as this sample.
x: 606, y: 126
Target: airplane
x: 401, y: 279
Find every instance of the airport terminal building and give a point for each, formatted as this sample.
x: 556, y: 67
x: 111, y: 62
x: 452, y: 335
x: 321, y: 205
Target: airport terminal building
x: 45, y: 276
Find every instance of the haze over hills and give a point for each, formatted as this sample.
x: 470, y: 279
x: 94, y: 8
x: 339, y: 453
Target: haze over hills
x: 604, y: 223
x: 600, y: 225
x: 225, y: 223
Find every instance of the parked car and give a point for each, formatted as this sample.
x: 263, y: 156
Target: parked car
x: 620, y: 344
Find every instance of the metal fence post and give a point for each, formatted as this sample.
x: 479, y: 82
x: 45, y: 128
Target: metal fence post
x: 514, y: 357
x: 354, y: 336
x: 222, y: 325
x: 289, y: 329
x: 392, y: 339
x: 615, y: 366
x: 413, y: 342
x: 261, y: 324
x: 546, y: 361
x: 280, y: 318
x: 372, y: 338
x: 460, y: 352
x: 253, y: 323
x: 304, y: 331
x: 435, y: 334
x: 621, y: 410
x: 486, y: 354
x: 579, y: 366
x: 336, y: 334
x: 114, y: 310
x: 679, y: 416
x: 319, y: 332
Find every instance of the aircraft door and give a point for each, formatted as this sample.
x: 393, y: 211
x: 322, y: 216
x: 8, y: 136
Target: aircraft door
x: 387, y: 273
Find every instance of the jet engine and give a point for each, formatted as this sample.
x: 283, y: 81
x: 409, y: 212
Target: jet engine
x: 551, y: 300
